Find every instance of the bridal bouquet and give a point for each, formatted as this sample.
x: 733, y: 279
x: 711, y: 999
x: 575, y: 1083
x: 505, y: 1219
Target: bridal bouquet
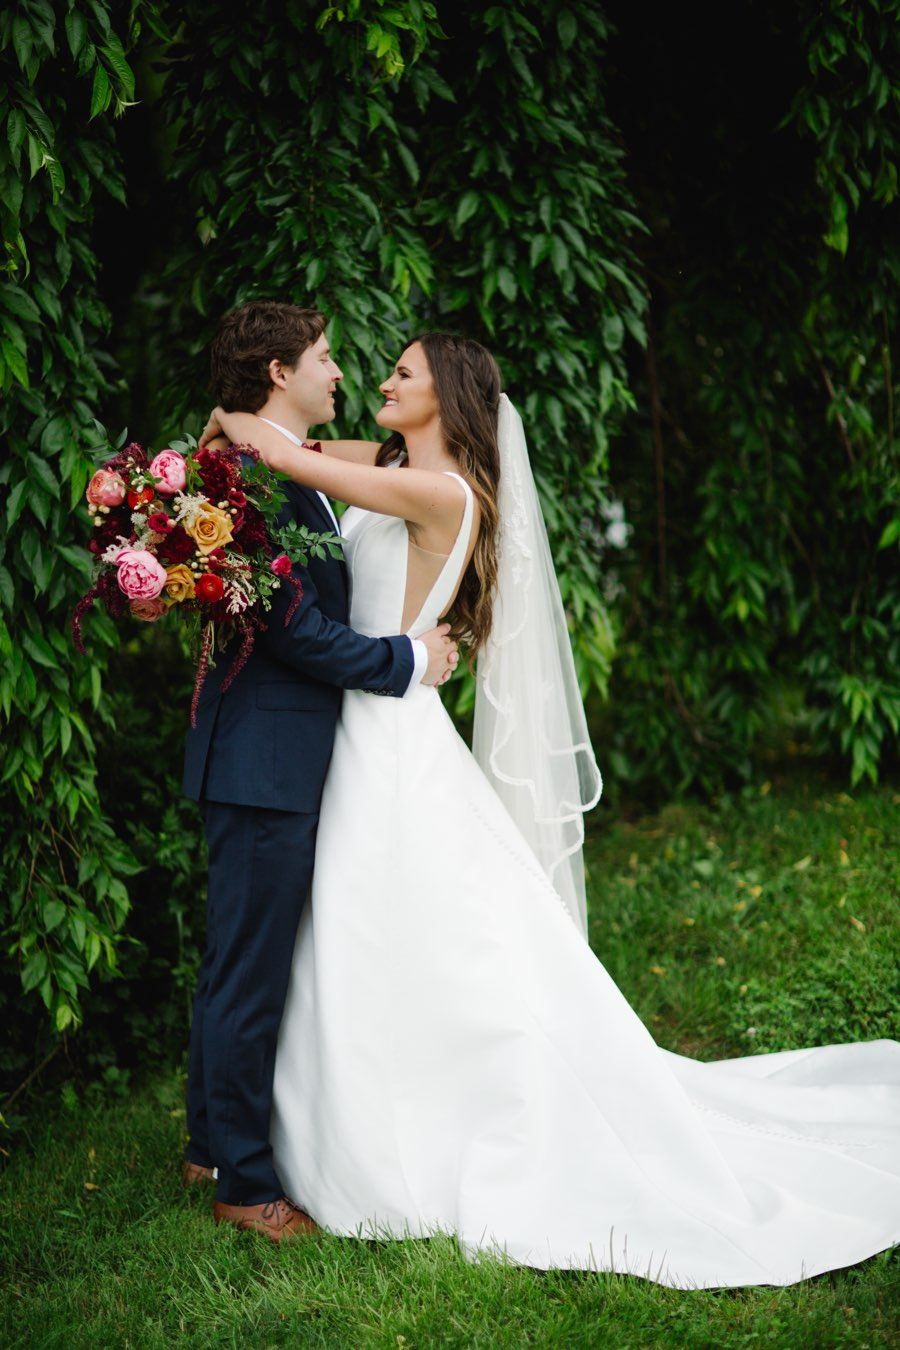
x: 194, y: 531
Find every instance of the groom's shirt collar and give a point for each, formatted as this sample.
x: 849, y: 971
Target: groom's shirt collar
x: 297, y: 441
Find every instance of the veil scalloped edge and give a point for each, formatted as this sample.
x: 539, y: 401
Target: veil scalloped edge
x: 531, y: 738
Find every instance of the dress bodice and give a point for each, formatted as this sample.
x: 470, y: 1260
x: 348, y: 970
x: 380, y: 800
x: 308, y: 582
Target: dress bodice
x: 377, y: 551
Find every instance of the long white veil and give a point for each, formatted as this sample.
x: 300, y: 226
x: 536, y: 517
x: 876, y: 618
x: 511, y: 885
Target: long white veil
x: 531, y: 737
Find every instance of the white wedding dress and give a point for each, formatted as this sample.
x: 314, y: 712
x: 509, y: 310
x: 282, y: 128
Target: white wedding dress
x: 454, y: 1057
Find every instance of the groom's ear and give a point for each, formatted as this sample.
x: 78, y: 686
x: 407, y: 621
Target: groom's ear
x: 276, y: 373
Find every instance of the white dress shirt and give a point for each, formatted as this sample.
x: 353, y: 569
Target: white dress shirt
x: 297, y: 441
x: 420, y: 651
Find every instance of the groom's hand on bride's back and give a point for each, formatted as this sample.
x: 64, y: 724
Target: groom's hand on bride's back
x: 443, y: 655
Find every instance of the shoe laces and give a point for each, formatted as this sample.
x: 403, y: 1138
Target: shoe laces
x: 273, y: 1210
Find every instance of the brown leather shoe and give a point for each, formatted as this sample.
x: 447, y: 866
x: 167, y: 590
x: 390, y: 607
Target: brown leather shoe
x: 192, y: 1173
x: 278, y: 1219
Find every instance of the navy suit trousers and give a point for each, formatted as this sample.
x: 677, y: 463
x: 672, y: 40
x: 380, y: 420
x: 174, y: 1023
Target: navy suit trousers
x: 260, y: 869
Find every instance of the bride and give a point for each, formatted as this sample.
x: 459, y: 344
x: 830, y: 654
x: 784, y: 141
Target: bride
x: 452, y: 1055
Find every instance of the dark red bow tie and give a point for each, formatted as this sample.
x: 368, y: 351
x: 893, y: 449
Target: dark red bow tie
x: 316, y: 445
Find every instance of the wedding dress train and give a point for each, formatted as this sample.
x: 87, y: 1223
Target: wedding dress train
x: 453, y: 1056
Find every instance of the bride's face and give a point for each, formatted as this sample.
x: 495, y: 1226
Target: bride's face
x: 410, y: 403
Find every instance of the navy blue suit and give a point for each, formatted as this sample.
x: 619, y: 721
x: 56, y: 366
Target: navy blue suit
x: 256, y: 763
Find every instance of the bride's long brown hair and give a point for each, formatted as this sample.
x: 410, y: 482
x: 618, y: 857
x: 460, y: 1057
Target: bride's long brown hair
x: 467, y: 387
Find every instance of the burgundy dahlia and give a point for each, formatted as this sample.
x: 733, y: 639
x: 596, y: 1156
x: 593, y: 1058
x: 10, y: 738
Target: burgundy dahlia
x: 177, y: 546
x: 252, y: 531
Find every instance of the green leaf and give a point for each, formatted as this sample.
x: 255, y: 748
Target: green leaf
x: 76, y: 32
x: 55, y: 434
x: 613, y: 332
x: 408, y: 160
x: 14, y: 299
x: 15, y: 362
x: 540, y: 246
x: 506, y: 283
x: 468, y: 205
x: 101, y: 91
x: 114, y: 54
x: 79, y: 930
x: 33, y: 971
x: 52, y: 912
x: 38, y: 118
x: 559, y: 255
x: 22, y: 41
x: 39, y: 470
x: 15, y: 133
x: 41, y: 506
x: 567, y: 27
x: 36, y: 152
x: 39, y: 649
x: 92, y: 949
x: 890, y: 534
x: 7, y: 589
x: 57, y: 177
x: 15, y: 502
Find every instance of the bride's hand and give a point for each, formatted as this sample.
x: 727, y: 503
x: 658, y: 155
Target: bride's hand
x: 212, y: 429
x: 240, y: 428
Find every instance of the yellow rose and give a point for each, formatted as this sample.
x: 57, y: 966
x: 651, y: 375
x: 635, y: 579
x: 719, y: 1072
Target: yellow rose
x: 211, y: 528
x: 180, y: 583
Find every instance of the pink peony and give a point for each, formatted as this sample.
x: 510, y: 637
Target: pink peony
x: 149, y: 610
x: 106, y: 488
x: 281, y: 565
x: 140, y: 576
x: 169, y: 467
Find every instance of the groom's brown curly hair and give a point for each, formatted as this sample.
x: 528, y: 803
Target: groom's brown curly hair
x: 248, y: 338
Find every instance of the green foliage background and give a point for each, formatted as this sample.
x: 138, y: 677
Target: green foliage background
x: 689, y: 276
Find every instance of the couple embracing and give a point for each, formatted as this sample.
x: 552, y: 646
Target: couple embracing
x: 399, y: 1026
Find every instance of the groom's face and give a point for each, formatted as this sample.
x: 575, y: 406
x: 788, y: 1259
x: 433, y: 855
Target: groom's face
x: 309, y: 385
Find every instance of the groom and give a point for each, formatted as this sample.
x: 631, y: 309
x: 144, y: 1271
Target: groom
x: 256, y: 763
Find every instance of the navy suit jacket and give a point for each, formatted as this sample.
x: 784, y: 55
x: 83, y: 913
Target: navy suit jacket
x: 267, y: 740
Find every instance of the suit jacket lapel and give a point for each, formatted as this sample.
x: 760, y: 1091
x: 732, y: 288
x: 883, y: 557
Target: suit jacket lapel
x: 326, y: 524
x: 318, y: 506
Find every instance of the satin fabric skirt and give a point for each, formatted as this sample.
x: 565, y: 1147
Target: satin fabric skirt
x: 453, y: 1057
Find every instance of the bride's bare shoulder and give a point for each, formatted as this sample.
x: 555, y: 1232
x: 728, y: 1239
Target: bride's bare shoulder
x: 440, y: 534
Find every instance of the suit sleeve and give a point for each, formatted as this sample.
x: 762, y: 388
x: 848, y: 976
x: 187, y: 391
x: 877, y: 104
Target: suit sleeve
x: 330, y: 651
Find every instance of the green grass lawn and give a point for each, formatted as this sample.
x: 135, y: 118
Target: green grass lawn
x: 763, y: 922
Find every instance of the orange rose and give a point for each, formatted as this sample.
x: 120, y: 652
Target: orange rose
x: 179, y: 583
x: 211, y: 528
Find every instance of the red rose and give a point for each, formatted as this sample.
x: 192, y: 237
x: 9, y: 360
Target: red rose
x: 236, y: 497
x: 160, y: 523
x: 209, y: 587
x: 136, y: 499
x: 281, y: 565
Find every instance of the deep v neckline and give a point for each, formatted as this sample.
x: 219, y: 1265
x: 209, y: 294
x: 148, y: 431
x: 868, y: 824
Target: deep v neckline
x: 451, y: 567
